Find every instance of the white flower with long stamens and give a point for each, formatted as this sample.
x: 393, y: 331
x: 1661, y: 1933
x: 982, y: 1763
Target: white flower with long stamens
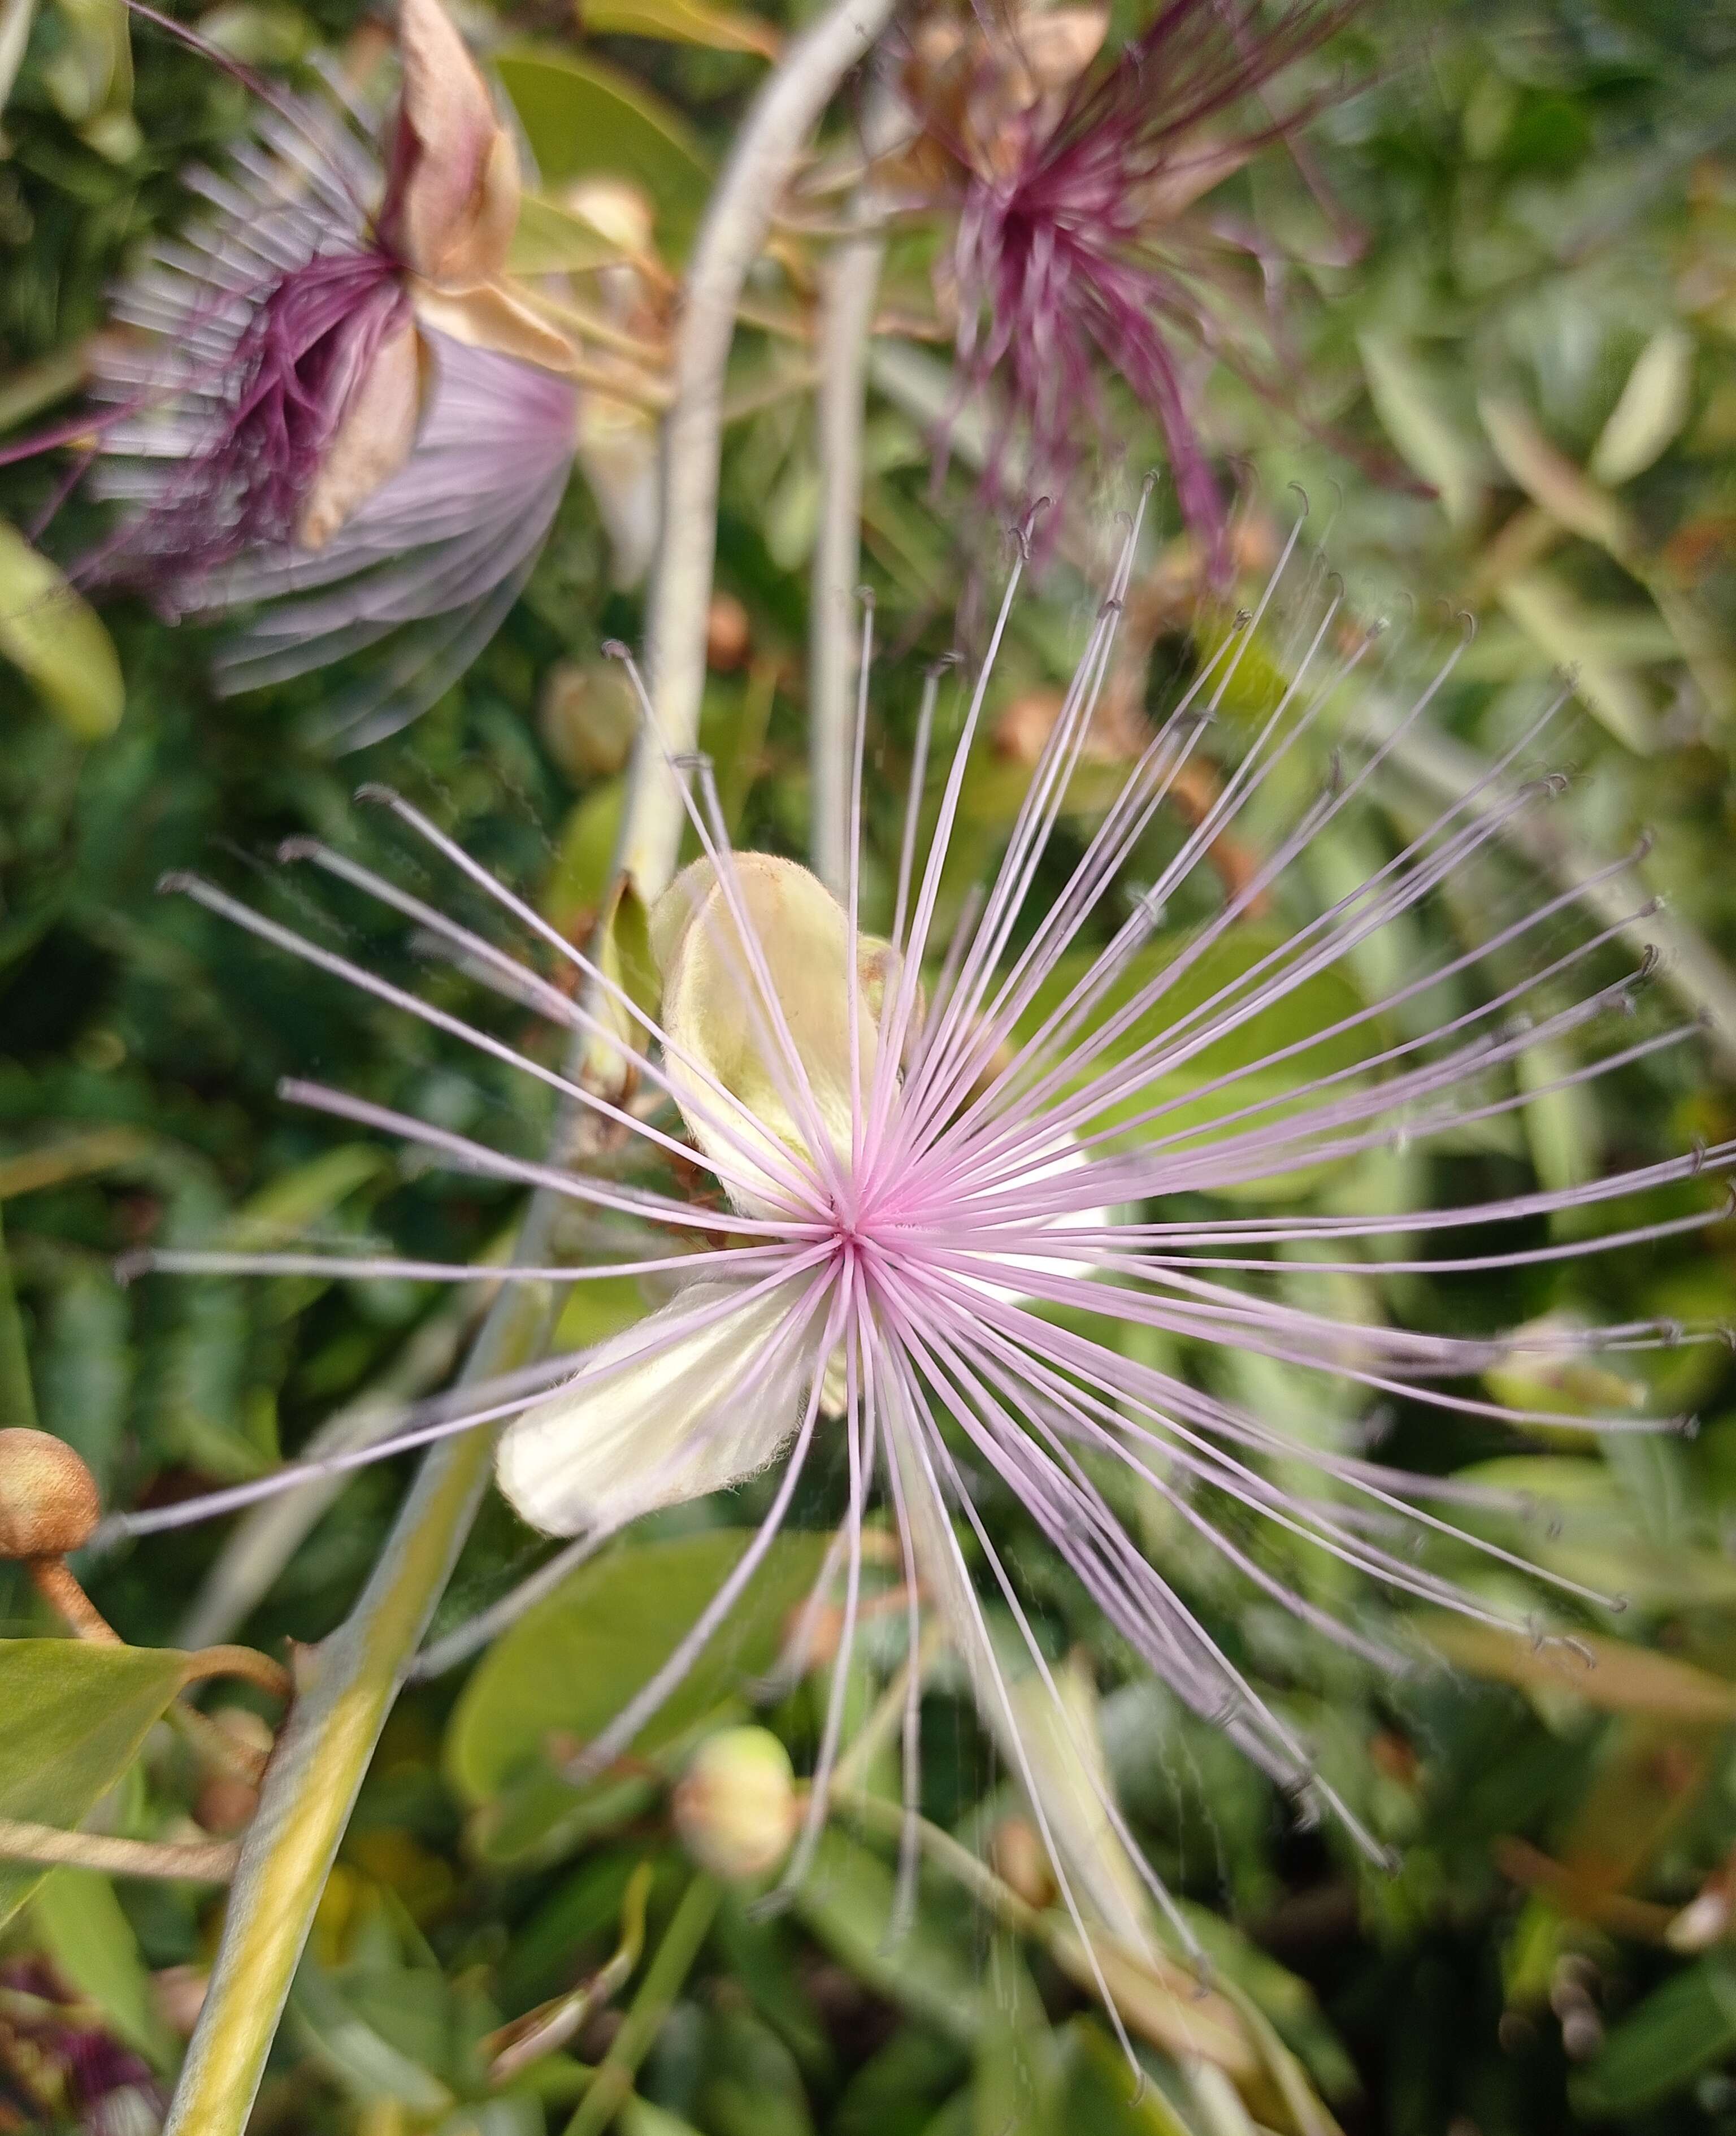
x: 953, y: 1197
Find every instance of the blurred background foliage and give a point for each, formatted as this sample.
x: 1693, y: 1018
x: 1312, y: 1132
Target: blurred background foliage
x: 1517, y: 402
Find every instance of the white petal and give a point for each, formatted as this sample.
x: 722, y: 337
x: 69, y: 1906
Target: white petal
x: 1060, y: 1156
x: 651, y: 1420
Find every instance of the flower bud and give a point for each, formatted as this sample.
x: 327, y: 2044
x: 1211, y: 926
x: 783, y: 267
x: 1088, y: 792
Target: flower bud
x: 729, y: 634
x: 590, y: 718
x: 48, y: 1499
x: 735, y: 1805
x: 1019, y: 1858
x: 225, y: 1805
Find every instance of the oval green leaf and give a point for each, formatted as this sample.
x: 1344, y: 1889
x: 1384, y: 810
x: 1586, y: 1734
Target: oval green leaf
x: 80, y: 1924
x: 76, y: 1717
x: 1686, y: 2026
x: 582, y: 117
x: 569, y: 1666
x: 51, y: 633
x: 548, y: 240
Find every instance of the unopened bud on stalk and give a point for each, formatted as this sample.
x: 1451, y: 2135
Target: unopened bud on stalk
x: 729, y: 634
x: 1019, y: 1858
x: 735, y: 1805
x: 48, y: 1498
x: 590, y: 718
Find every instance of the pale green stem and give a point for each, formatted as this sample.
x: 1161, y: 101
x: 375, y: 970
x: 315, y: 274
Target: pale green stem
x: 664, y: 1976
x: 850, y: 287
x: 731, y: 240
x: 323, y: 1751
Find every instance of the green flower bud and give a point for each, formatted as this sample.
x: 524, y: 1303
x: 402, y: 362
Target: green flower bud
x: 735, y: 1805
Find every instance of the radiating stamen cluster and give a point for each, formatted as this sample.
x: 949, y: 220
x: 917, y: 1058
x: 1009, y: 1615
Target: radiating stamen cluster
x: 954, y: 1174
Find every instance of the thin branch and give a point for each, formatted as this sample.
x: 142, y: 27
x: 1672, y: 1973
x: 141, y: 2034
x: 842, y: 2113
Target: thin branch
x: 730, y: 239
x: 211, y: 1861
x: 850, y: 287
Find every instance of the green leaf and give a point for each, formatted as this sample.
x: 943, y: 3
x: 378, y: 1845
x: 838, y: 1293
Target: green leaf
x: 580, y: 882
x: 51, y: 633
x: 1313, y: 1006
x: 581, y: 116
x: 80, y: 1923
x: 548, y: 240
x: 1549, y: 478
x: 90, y: 78
x: 352, y: 2053
x: 1014, y: 2084
x: 569, y: 1666
x: 846, y: 1901
x: 1651, y: 410
x: 1609, y: 1674
x: 75, y: 1716
x: 1410, y: 404
x: 1557, y: 623
x: 752, y: 2087
x: 1102, y: 2094
x: 1681, y: 2028
x: 680, y: 22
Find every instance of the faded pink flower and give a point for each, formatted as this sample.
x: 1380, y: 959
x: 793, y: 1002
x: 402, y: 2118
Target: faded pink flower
x: 335, y: 384
x: 1081, y: 248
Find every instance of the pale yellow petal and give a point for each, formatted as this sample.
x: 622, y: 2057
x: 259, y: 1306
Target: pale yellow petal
x: 716, y: 1011
x: 644, y: 1426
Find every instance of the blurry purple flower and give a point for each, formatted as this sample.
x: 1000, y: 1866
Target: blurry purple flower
x: 976, y: 1199
x: 1078, y: 249
x: 76, y: 2069
x: 336, y: 386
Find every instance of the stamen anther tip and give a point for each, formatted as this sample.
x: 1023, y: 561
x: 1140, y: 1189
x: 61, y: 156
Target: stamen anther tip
x: 175, y: 882
x: 374, y: 794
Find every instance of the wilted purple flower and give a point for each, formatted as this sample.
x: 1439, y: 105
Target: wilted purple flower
x: 1077, y: 249
x: 79, y: 2074
x: 951, y: 1196
x: 337, y: 387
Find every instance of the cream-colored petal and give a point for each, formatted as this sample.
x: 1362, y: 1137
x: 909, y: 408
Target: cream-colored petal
x: 452, y: 202
x: 619, y: 453
x: 488, y: 317
x: 644, y: 1427
x: 374, y: 438
x: 715, y: 1010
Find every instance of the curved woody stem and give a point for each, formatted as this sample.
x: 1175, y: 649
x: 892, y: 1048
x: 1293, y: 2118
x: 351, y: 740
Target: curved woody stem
x: 849, y: 290
x: 731, y: 240
x: 348, y: 1688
